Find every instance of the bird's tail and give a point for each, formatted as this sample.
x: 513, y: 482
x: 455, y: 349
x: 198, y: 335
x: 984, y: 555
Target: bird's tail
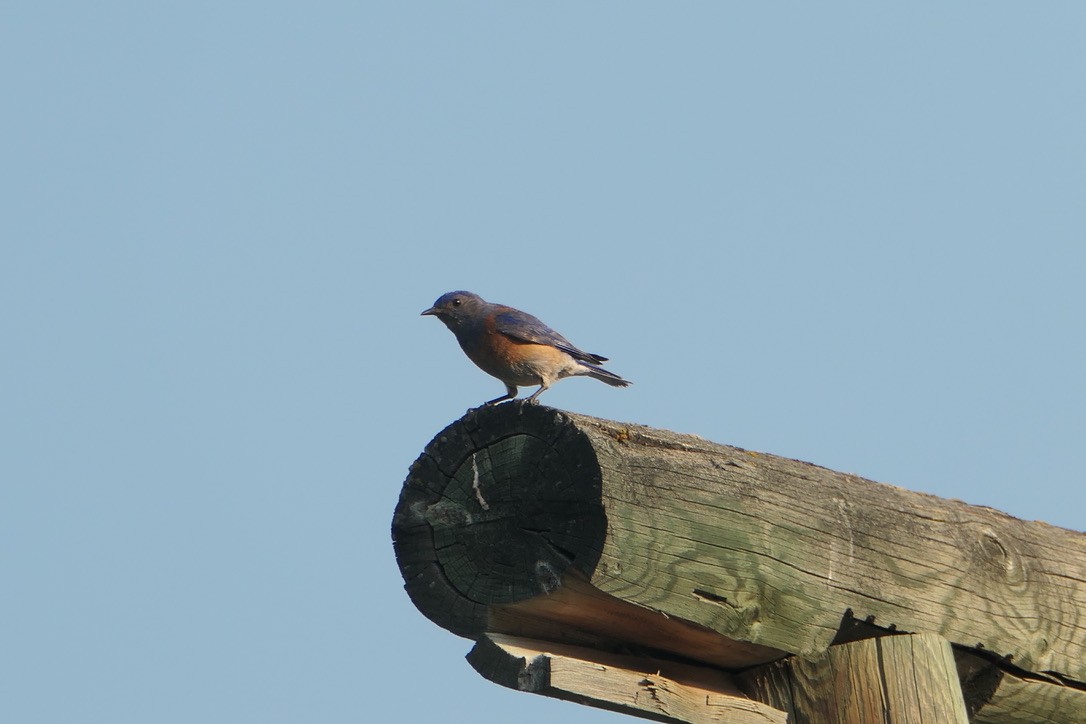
x: 603, y: 375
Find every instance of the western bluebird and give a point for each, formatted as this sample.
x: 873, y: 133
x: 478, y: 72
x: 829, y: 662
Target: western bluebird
x: 514, y: 346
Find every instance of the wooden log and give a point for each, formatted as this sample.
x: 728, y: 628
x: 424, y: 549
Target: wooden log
x: 514, y: 507
x: 996, y: 692
x: 1032, y: 701
x: 659, y: 690
x: 910, y: 678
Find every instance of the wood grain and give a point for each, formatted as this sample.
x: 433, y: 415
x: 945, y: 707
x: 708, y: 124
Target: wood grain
x: 654, y: 689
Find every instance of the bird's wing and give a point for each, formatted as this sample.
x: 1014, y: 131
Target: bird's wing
x: 526, y: 328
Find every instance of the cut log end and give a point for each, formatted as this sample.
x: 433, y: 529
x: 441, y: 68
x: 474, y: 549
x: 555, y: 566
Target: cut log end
x: 497, y: 513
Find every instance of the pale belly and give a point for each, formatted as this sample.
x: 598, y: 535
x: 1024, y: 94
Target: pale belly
x: 524, y: 365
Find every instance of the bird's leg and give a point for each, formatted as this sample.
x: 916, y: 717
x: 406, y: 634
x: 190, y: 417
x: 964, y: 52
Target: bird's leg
x: 510, y: 393
x: 531, y: 399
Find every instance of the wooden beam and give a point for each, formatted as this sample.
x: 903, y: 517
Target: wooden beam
x: 910, y: 678
x: 1032, y: 701
x: 530, y: 521
x: 997, y: 692
x: 662, y: 691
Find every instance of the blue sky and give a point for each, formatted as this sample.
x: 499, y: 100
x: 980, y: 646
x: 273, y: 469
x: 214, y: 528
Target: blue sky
x: 844, y: 233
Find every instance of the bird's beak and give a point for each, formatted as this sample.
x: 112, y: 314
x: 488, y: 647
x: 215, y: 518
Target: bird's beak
x: 432, y: 310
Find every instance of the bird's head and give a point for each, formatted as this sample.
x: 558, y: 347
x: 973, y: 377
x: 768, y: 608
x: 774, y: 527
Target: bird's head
x: 457, y: 309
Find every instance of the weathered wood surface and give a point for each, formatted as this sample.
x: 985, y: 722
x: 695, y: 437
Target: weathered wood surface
x: 510, y: 504
x: 1030, y: 701
x: 996, y: 693
x: 665, y: 691
x: 909, y: 679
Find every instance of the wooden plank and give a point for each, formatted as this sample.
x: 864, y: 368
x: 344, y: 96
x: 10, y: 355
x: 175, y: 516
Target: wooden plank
x: 647, y: 688
x: 907, y: 679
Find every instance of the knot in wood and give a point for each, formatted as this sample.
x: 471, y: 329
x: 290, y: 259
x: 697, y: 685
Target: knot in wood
x: 993, y: 553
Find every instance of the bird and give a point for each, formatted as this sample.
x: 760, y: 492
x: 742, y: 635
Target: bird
x: 514, y: 346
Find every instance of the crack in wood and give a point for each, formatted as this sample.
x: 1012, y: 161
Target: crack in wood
x: 475, y: 483
x: 709, y: 597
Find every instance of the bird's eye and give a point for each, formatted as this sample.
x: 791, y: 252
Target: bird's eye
x: 456, y: 302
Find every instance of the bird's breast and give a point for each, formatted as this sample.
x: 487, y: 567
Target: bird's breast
x: 515, y: 362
